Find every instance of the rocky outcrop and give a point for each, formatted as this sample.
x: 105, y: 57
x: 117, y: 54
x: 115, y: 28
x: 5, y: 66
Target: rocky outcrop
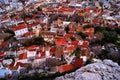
x: 100, y: 70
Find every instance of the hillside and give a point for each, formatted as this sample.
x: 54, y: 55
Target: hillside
x: 100, y: 70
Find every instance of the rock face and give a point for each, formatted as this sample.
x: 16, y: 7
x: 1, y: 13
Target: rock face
x: 100, y: 70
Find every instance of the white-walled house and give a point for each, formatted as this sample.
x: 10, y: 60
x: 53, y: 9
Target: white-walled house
x: 66, y: 11
x: 29, y: 20
x: 53, y: 29
x: 23, y: 58
x: 20, y: 29
x: 34, y: 25
x: 31, y: 53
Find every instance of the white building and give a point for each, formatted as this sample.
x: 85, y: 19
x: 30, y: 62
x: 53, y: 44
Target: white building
x: 20, y: 29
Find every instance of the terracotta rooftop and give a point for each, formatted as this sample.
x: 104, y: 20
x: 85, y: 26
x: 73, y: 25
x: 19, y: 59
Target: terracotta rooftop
x: 28, y: 34
x: 5, y: 43
x: 64, y: 68
x: 13, y: 67
x: 78, y: 62
x: 19, y: 27
x: 2, y: 55
x: 85, y: 44
x: 75, y: 43
x: 21, y: 64
x: 68, y: 35
x: 22, y: 56
x: 33, y: 47
x: 66, y: 10
x: 61, y: 41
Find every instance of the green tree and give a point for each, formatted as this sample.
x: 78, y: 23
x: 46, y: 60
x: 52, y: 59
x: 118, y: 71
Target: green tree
x: 110, y: 36
x: 99, y: 36
x: 24, y: 16
x: 35, y: 41
x: 87, y: 26
x: 39, y: 8
x: 104, y: 54
x: 28, y: 42
x: 76, y: 52
x: 72, y: 38
x: 83, y: 35
x: 12, y: 15
x: 117, y: 43
x: 3, y: 79
x: 117, y: 30
x: 67, y: 29
x: 38, y: 40
x: 109, y: 29
x: 10, y: 31
x: 99, y: 29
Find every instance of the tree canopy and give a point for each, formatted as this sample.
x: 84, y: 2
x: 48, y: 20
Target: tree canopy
x: 35, y: 41
x: 83, y: 35
x: 110, y: 36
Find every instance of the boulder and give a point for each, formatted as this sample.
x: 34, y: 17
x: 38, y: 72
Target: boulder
x: 110, y: 63
x: 106, y: 70
x: 91, y: 76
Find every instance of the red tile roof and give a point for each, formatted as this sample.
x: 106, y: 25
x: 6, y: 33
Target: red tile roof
x: 33, y: 47
x: 52, y: 50
x: 19, y: 27
x: 3, y: 44
x: 87, y: 10
x: 96, y: 21
x: 12, y: 64
x: 70, y: 48
x: 6, y: 17
x: 85, y: 44
x: 50, y: 10
x: 66, y: 10
x: 64, y: 68
x: 68, y: 35
x: 61, y: 41
x: 89, y: 30
x: 27, y: 19
x: 21, y: 48
x: 78, y: 62
x: 43, y: 54
x: 13, y: 67
x: 2, y: 54
x: 33, y: 24
x: 75, y: 43
x: 29, y: 34
x: 1, y: 60
x: 22, y: 56
x: 40, y: 57
x: 21, y: 64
